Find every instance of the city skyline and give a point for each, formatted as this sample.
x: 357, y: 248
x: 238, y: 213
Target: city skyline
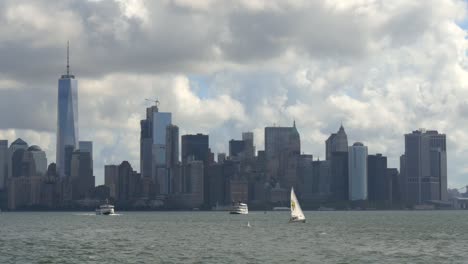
x: 225, y: 100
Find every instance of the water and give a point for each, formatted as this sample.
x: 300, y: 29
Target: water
x: 217, y: 237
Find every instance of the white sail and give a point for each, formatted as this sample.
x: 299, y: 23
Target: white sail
x: 296, y: 212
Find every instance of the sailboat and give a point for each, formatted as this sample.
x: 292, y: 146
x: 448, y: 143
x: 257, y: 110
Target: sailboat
x: 296, y: 212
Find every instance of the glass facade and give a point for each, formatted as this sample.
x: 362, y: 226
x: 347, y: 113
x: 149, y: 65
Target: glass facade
x: 357, y: 164
x: 160, y: 122
x: 67, y: 119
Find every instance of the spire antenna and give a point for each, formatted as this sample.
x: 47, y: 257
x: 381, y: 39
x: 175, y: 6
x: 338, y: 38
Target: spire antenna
x: 68, y: 57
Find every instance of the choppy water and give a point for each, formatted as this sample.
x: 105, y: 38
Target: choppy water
x: 217, y: 237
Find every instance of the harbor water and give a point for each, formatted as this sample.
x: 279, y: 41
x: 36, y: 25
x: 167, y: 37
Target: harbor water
x: 217, y: 237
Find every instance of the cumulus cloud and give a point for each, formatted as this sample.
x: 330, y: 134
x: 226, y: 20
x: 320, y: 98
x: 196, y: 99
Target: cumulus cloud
x: 382, y: 68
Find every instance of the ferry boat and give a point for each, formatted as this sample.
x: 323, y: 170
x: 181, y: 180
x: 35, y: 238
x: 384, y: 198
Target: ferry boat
x: 239, y: 208
x: 105, y: 209
x: 281, y: 208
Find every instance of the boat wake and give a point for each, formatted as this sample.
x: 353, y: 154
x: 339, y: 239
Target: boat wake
x: 94, y: 214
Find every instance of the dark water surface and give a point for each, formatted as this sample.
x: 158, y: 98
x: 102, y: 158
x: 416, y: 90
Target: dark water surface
x: 217, y: 237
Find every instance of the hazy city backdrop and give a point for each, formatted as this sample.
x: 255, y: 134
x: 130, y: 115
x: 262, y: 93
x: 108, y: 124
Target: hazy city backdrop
x: 223, y: 72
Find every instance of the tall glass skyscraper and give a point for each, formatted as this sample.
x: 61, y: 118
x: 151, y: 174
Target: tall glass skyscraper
x: 357, y: 166
x: 67, y: 117
x: 153, y: 146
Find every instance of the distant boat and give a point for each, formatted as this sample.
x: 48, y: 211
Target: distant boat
x: 297, y: 216
x: 239, y: 208
x: 281, y: 208
x: 105, y: 209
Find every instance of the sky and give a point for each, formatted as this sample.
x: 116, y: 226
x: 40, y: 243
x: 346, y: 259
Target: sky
x: 381, y: 68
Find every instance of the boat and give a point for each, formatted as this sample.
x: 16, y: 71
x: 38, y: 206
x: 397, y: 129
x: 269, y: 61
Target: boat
x: 281, y: 208
x: 239, y: 208
x: 105, y: 209
x: 297, y: 216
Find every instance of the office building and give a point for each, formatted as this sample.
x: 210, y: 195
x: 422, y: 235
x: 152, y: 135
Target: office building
x: 153, y: 147
x: 87, y: 146
x: 4, y: 156
x: 172, y: 156
x: 16, y: 151
x: 339, y: 185
x: 425, y: 167
x: 378, y: 180
x: 282, y: 151
x: 357, y: 166
x: 195, y: 147
x: 123, y: 182
x: 249, y: 147
x: 236, y: 148
x: 337, y: 142
x: 34, y: 162
x: 82, y: 178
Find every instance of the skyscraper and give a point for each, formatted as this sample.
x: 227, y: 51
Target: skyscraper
x: 3, y: 163
x: 337, y: 142
x: 67, y: 117
x: 34, y: 162
x: 172, y: 156
x: 16, y: 151
x: 357, y: 162
x: 195, y: 147
x: 378, y: 181
x: 87, y: 146
x: 81, y: 174
x: 236, y: 148
x: 282, y: 150
x: 153, y: 146
x: 425, y: 167
x: 249, y: 148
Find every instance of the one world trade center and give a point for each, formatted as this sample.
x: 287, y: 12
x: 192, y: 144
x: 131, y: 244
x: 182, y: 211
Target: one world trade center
x: 67, y: 120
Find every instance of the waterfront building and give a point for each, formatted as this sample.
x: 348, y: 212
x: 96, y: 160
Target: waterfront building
x: 339, y: 185
x: 4, y: 157
x: 16, y: 150
x: 236, y: 148
x: 123, y: 182
x: 221, y: 157
x: 153, y: 147
x: 67, y: 119
x: 282, y: 151
x: 111, y: 173
x: 379, y: 184
x: 393, y: 177
x: 357, y: 164
x: 192, y: 195
x: 87, y: 146
x: 195, y: 147
x: 82, y: 178
x: 249, y: 147
x: 27, y: 186
x: 336, y: 142
x: 172, y: 157
x: 425, y: 167
x: 318, y: 181
x: 34, y: 162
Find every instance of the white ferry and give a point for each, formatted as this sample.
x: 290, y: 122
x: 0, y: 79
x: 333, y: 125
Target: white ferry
x: 239, y: 208
x: 105, y: 209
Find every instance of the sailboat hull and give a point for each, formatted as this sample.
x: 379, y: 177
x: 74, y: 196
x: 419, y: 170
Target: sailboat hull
x: 297, y: 221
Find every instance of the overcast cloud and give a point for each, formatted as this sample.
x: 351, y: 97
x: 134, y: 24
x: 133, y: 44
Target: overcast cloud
x: 382, y: 68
